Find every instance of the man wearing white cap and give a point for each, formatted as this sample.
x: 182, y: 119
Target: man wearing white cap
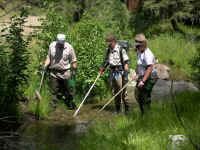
x: 145, y: 72
x: 60, y: 57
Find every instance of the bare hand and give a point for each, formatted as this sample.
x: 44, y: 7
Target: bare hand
x: 141, y: 84
x: 134, y: 76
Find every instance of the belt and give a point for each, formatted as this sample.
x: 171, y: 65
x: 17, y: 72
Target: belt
x: 59, y: 71
x: 116, y: 68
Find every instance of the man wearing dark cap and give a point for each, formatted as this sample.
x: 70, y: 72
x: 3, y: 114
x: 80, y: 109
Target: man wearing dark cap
x: 145, y: 72
x: 60, y: 57
x: 118, y: 61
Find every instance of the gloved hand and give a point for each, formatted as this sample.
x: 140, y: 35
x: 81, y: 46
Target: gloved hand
x: 125, y: 75
x: 74, y: 71
x: 104, y: 65
x: 102, y: 69
x: 44, y: 68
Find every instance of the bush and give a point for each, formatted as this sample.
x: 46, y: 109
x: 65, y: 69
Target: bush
x: 114, y: 15
x: 14, y: 60
x: 88, y: 40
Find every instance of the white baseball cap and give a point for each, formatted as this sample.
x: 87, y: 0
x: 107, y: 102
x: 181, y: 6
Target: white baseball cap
x: 61, y: 38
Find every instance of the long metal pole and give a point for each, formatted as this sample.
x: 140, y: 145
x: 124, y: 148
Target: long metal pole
x: 76, y: 112
x: 37, y: 92
x: 114, y: 96
x: 37, y: 111
x: 41, y: 80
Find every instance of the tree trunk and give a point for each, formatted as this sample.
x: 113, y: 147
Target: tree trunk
x: 81, y: 6
x: 175, y: 26
x: 132, y: 4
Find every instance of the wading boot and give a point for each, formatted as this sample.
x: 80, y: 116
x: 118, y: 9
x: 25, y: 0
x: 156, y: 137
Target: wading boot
x: 118, y: 109
x: 148, y: 104
x: 74, y: 106
x: 67, y: 103
x: 53, y: 103
x: 141, y: 108
x: 127, y: 109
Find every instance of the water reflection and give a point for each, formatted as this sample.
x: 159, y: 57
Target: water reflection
x: 51, y: 136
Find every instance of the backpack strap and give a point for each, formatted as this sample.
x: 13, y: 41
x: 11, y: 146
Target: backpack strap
x: 121, y: 56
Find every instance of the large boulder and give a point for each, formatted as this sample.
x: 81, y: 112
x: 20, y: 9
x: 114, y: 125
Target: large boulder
x: 163, y: 71
x: 162, y: 89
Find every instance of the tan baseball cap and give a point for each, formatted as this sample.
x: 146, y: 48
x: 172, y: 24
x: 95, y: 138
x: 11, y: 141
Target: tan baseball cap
x: 139, y: 39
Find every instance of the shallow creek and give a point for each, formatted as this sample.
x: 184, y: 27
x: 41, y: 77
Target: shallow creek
x: 60, y: 132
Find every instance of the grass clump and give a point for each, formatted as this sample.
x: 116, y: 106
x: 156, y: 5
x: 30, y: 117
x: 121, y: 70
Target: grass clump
x: 150, y: 131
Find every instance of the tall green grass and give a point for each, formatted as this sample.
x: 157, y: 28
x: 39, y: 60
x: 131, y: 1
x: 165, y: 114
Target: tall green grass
x: 174, y: 51
x: 44, y: 105
x: 151, y: 131
x: 35, y: 73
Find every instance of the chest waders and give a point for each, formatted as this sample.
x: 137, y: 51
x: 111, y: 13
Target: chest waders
x: 116, y: 78
x: 143, y: 94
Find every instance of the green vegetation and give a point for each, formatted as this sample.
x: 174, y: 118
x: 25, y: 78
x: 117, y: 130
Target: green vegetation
x: 168, y: 49
x: 171, y: 29
x: 151, y: 131
x: 14, y: 60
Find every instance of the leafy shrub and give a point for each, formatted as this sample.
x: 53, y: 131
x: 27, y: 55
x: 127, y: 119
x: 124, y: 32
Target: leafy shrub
x: 52, y: 24
x: 113, y: 14
x: 88, y: 40
x: 14, y: 60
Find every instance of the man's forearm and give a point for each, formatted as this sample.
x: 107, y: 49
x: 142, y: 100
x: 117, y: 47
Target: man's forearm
x: 74, y: 65
x: 147, y: 73
x: 47, y: 62
x: 126, y: 67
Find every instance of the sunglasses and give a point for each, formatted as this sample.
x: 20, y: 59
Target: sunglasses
x: 138, y: 41
x: 109, y: 41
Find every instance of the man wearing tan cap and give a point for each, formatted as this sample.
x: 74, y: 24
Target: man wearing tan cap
x: 145, y: 73
x: 60, y: 57
x: 118, y: 61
